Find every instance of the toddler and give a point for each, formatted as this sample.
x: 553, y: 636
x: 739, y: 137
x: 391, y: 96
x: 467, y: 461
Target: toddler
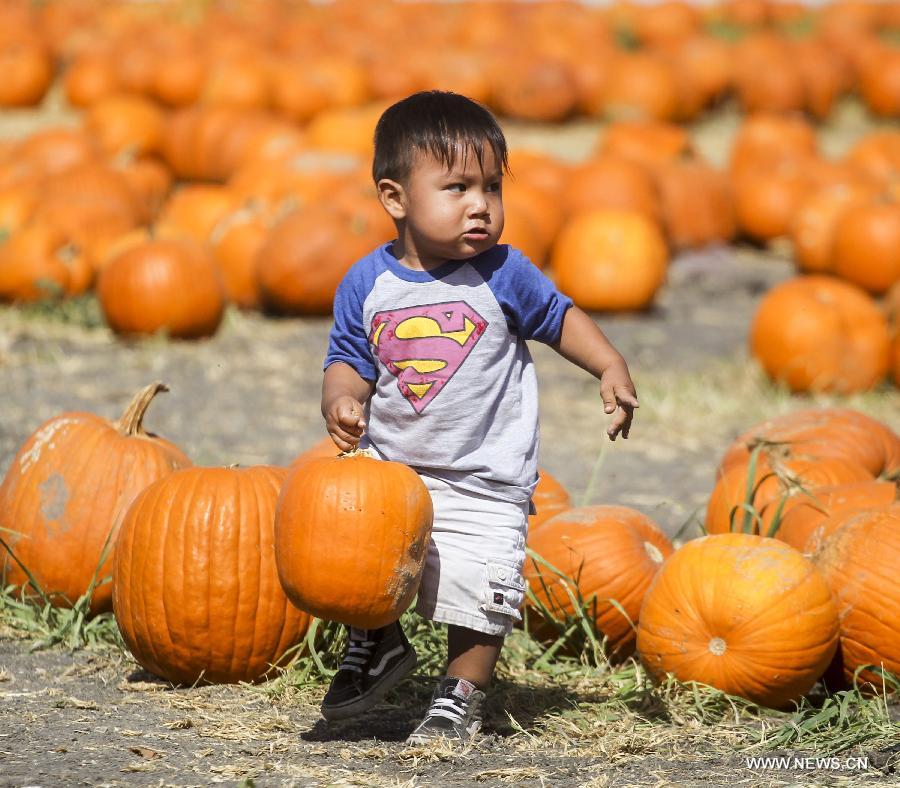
x: 428, y: 365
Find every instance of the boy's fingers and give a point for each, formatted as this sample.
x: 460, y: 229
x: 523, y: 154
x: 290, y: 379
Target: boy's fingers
x: 626, y: 397
x: 608, y: 395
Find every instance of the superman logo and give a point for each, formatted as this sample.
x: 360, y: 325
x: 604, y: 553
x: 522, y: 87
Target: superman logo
x: 424, y: 346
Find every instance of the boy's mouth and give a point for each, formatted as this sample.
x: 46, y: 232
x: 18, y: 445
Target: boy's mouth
x: 476, y: 233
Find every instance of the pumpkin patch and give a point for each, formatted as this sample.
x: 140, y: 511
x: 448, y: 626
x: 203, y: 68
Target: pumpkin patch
x: 182, y: 187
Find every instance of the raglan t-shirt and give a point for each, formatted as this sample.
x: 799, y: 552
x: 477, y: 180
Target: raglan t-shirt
x: 455, y: 388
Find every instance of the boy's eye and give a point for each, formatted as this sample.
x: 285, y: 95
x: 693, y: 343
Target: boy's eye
x: 494, y: 187
x: 457, y: 187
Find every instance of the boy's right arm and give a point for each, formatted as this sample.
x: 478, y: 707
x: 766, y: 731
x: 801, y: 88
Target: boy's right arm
x: 344, y: 392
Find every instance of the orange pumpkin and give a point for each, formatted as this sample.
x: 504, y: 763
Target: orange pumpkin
x: 66, y: 491
x: 818, y: 434
x: 612, y: 182
x: 352, y: 511
x: 610, y: 260
x: 877, y: 154
x: 650, y: 143
x: 125, y: 123
x: 535, y: 88
x: 773, y: 482
x: 766, y: 201
x: 697, y: 203
x: 27, y: 70
x: 747, y: 615
x: 641, y: 85
x: 235, y: 242
x: 90, y: 77
x: 608, y: 553
x: 812, y: 227
x: 858, y: 562
x: 764, y: 140
x: 39, y: 261
x: 195, y: 209
x: 814, y: 333
x: 300, y: 265
x: 867, y: 245
x: 195, y: 587
x: 810, y: 517
x: 162, y: 285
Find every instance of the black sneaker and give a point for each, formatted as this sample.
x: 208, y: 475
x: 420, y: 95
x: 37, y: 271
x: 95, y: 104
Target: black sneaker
x: 455, y: 713
x: 375, y: 661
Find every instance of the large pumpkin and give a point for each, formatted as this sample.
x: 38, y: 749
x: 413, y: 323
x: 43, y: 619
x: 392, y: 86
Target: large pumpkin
x: 814, y: 333
x: 195, y: 588
x: 609, y: 553
x: 859, y: 562
x: 747, y: 615
x: 610, y: 260
x: 351, y: 537
x: 66, y: 490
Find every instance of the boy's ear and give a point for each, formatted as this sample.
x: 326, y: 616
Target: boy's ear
x: 393, y: 197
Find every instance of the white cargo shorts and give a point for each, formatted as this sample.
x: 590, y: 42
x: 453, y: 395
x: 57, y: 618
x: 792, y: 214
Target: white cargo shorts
x: 473, y: 571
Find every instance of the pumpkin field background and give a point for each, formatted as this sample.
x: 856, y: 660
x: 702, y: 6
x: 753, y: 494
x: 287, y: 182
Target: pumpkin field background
x: 75, y: 708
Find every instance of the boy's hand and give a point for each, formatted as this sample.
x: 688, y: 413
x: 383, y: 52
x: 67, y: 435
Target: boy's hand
x: 617, y: 390
x: 345, y: 424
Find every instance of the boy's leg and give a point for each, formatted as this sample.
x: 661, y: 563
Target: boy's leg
x: 457, y: 703
x: 472, y: 655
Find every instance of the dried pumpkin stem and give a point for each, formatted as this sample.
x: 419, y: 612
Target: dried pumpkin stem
x: 358, y: 452
x: 132, y: 419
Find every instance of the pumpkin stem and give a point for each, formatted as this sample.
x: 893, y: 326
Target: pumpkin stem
x: 130, y: 423
x: 358, y: 452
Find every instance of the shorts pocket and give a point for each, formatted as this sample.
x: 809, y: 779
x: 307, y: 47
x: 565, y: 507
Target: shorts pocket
x: 504, y: 590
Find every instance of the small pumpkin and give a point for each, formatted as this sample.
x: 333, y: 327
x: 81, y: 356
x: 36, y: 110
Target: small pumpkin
x: 351, y: 538
x: 610, y: 260
x: 747, y: 615
x: 163, y: 284
x: 814, y: 333
x: 195, y: 588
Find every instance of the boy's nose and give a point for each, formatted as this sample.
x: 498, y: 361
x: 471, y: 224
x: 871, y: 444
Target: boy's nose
x: 478, y: 205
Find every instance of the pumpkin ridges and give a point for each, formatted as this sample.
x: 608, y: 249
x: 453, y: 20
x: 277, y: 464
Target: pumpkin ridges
x: 195, y: 607
x: 860, y: 580
x: 708, y: 577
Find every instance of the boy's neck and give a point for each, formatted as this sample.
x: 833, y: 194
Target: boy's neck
x: 410, y: 258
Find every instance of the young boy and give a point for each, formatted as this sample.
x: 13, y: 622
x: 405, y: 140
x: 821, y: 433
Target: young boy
x: 427, y: 365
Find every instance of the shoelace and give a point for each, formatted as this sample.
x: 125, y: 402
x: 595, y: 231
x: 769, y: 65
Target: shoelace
x: 359, y: 652
x: 448, y: 707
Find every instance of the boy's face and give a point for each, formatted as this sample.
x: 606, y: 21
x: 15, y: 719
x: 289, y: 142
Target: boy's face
x: 451, y: 214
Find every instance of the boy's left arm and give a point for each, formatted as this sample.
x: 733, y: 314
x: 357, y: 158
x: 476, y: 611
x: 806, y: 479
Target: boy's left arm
x: 583, y: 343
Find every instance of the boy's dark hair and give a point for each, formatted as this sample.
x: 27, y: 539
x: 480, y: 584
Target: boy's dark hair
x: 436, y: 122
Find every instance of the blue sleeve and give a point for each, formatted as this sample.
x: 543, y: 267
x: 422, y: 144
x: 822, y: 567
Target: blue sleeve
x: 348, y: 341
x: 534, y: 308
